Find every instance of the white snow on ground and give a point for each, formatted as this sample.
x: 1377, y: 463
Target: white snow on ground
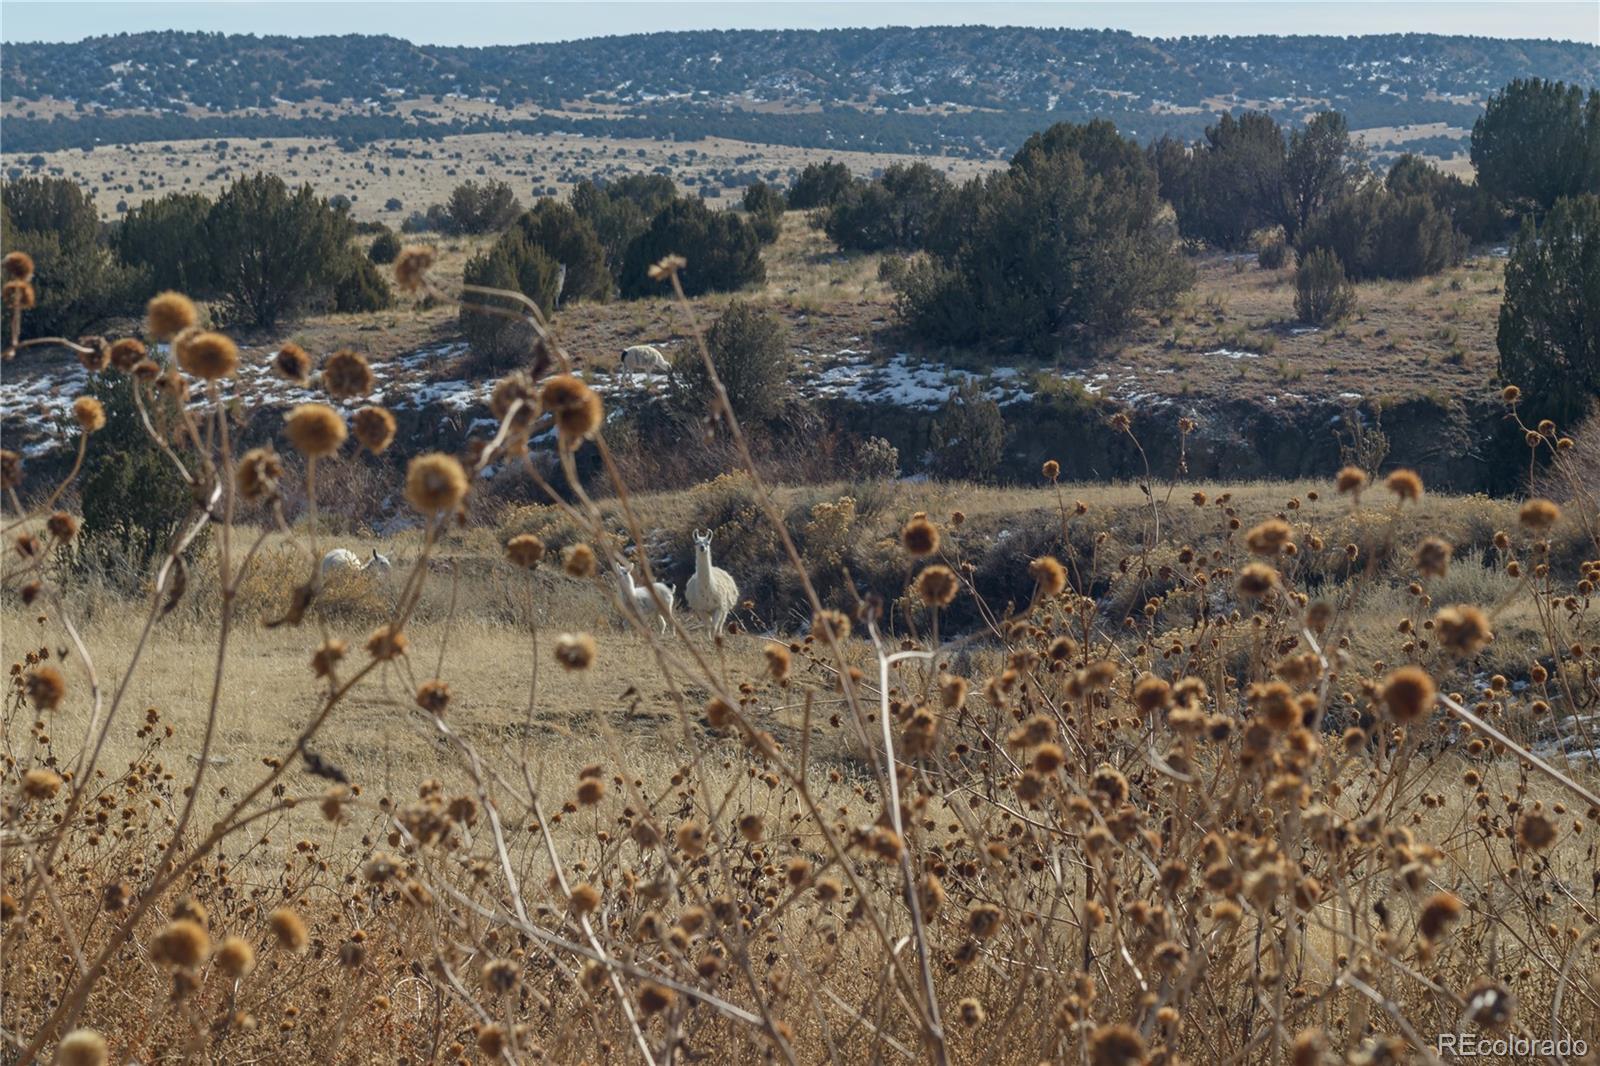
x: 905, y: 383
x: 41, y: 400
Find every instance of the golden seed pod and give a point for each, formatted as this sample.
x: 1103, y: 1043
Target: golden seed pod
x: 386, y: 642
x: 169, y: 314
x: 96, y: 353
x: 411, y: 267
x: 525, y: 550
x: 585, y: 898
x: 346, y: 375
x: 1439, y: 913
x: 41, y: 784
x: 1539, y: 515
x: 433, y: 696
x: 89, y: 414
x: 435, y: 483
x: 1408, y: 693
x: 291, y: 363
x: 1405, y: 484
x: 315, y: 430
x: 128, y: 353
x: 46, y: 687
x: 579, y: 561
x: 575, y: 651
x: 1351, y: 479
x: 289, y: 929
x: 182, y: 943
x: 937, y: 585
x: 920, y: 537
x: 235, y: 957
x: 1050, y: 575
x: 211, y: 356
x: 654, y: 998
x: 576, y: 408
x: 1463, y: 629
x: 257, y: 475
x: 828, y: 623
x: 81, y: 1047
x: 17, y: 266
x: 374, y: 427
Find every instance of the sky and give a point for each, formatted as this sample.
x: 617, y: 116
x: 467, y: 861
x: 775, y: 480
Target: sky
x: 520, y: 21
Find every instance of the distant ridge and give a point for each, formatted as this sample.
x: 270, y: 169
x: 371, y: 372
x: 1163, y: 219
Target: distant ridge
x: 968, y: 89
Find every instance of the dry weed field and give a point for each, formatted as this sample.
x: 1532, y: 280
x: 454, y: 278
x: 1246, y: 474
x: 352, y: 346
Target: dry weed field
x: 1277, y: 772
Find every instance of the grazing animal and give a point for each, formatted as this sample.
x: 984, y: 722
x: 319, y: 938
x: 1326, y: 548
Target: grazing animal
x: 345, y: 559
x: 640, y: 599
x: 645, y: 359
x: 710, y: 592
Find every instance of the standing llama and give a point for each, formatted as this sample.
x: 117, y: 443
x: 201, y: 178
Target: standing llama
x: 641, y: 602
x: 710, y: 592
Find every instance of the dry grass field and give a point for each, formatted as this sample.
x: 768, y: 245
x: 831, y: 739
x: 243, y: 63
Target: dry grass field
x: 421, y: 172
x: 1276, y: 772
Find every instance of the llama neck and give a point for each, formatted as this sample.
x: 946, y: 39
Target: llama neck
x: 625, y: 582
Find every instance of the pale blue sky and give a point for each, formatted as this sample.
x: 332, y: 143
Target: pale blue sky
x: 479, y: 23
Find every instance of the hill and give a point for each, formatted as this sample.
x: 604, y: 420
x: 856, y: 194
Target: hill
x: 956, y: 90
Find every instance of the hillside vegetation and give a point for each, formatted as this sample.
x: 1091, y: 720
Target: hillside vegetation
x: 968, y: 90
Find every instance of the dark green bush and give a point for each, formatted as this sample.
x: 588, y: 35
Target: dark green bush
x: 275, y: 252
x: 1377, y: 234
x: 1068, y: 242
x: 385, y: 248
x: 1549, y: 330
x: 765, y: 206
x: 363, y: 287
x: 1273, y: 253
x: 134, y: 500
x: 1229, y: 184
x: 78, y: 281
x: 1538, y: 141
x: 819, y: 185
x: 166, y: 237
x: 897, y: 210
x: 569, y: 240
x: 621, y: 210
x: 518, y: 264
x: 485, y: 208
x: 750, y: 348
x: 722, y: 250
x: 1321, y: 292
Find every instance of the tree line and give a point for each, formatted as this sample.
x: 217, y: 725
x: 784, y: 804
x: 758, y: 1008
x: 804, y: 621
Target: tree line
x: 262, y: 250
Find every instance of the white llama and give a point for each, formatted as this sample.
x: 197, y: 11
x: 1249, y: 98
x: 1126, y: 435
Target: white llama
x: 342, y: 559
x: 711, y: 592
x: 641, y: 601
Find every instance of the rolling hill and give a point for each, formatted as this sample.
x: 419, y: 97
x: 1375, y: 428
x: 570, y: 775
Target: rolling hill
x: 971, y: 90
